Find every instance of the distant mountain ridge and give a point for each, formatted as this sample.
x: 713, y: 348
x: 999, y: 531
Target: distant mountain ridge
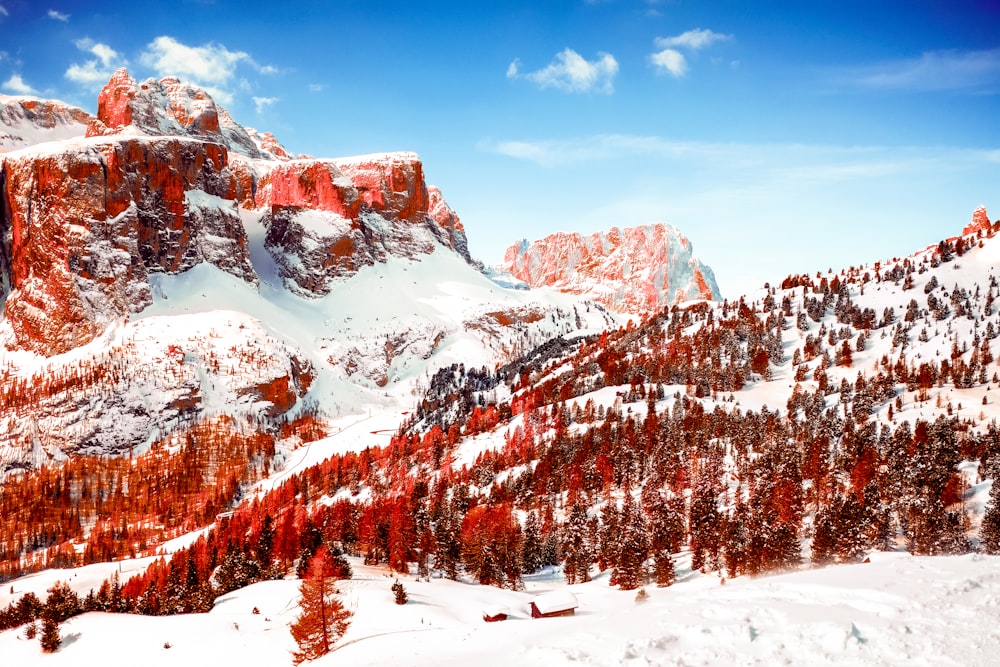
x: 633, y: 270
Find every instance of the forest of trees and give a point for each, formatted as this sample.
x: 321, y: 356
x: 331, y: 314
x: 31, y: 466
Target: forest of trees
x: 583, y: 484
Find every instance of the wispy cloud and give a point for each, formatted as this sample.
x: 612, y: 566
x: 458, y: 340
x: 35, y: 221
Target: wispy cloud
x: 15, y: 84
x: 57, y: 16
x: 787, y: 163
x: 209, y: 63
x: 3, y: 11
x: 316, y: 87
x: 598, y: 148
x: 670, y: 60
x: 572, y: 73
x: 692, y: 39
x: 261, y: 103
x: 932, y: 71
x: 97, y: 70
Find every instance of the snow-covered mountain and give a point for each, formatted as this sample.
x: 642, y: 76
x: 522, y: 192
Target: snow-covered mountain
x: 162, y: 210
x: 25, y: 121
x: 631, y: 270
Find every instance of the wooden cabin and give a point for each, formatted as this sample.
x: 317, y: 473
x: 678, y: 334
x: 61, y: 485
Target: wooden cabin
x: 494, y: 614
x: 556, y: 603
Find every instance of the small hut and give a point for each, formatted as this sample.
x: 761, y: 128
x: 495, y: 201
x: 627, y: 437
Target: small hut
x: 494, y: 614
x: 556, y: 603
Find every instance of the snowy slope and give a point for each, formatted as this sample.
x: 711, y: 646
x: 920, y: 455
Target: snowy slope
x: 377, y: 334
x: 898, y: 609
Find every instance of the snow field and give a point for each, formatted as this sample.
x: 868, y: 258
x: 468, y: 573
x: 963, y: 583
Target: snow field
x: 897, y: 609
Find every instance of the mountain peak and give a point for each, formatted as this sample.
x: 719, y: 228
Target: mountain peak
x: 980, y: 222
x: 634, y: 270
x: 170, y: 107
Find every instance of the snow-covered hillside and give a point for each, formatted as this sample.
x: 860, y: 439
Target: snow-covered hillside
x: 897, y: 609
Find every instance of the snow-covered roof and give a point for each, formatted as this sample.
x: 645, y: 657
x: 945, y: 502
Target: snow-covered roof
x: 560, y: 600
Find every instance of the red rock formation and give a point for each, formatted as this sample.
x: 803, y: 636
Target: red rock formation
x: 635, y: 270
x: 391, y: 184
x: 168, y: 107
x: 448, y: 221
x: 114, y: 104
x: 271, y: 145
x: 328, y: 218
x: 313, y: 184
x: 980, y: 222
x: 86, y: 227
x: 155, y: 189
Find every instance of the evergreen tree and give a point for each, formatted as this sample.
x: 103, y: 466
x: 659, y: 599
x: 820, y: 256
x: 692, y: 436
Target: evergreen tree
x: 666, y: 531
x: 531, y: 548
x: 399, y: 593
x: 323, y: 619
x: 705, y: 525
x: 990, y: 531
x: 628, y: 572
x: 237, y: 569
x: 62, y: 602
x: 575, y: 545
x: 50, y: 638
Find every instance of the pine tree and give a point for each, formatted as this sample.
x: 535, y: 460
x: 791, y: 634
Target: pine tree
x: 634, y: 549
x: 399, y: 593
x: 324, y: 619
x: 531, y: 548
x: 575, y: 546
x: 50, y: 638
x: 990, y: 531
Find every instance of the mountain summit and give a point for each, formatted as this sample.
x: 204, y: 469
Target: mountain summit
x: 633, y: 270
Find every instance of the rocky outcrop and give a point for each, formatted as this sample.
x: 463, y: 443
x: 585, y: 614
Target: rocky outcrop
x: 26, y: 121
x: 448, y: 221
x: 633, y: 270
x: 329, y: 218
x: 168, y: 107
x: 980, y: 222
x: 83, y: 226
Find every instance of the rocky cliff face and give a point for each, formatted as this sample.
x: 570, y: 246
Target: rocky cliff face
x: 329, y: 218
x: 156, y: 188
x: 633, y: 270
x: 85, y: 223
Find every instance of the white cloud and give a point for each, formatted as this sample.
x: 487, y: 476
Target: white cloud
x: 316, y: 87
x: 933, y: 71
x: 671, y: 60
x: 3, y: 11
x: 572, y: 73
x: 97, y: 70
x: 261, y: 103
x: 57, y: 16
x: 692, y: 39
x: 209, y: 63
x: 17, y: 85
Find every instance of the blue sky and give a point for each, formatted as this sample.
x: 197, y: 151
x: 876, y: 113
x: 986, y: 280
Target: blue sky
x: 780, y: 137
